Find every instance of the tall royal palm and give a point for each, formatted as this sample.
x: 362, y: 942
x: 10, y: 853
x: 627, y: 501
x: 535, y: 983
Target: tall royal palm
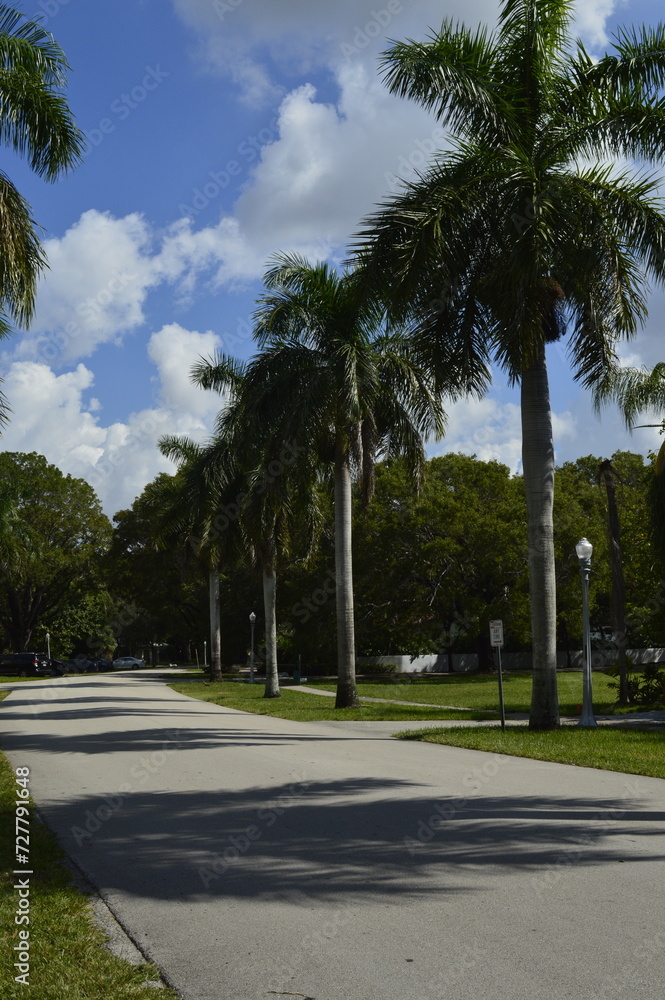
x: 329, y: 378
x: 278, y: 491
x: 190, y: 507
x: 522, y: 232
x: 35, y: 122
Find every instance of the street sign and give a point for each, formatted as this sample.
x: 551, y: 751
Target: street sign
x: 496, y: 639
x: 496, y: 633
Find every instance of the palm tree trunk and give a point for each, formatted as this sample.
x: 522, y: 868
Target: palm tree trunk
x: 270, y: 608
x: 347, y: 696
x: 215, y: 627
x: 606, y: 475
x: 538, y: 468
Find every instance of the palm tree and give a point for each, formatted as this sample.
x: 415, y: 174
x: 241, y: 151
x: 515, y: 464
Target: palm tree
x: 278, y: 493
x: 639, y: 390
x: 36, y: 123
x: 515, y: 237
x: 188, y: 507
x: 606, y: 477
x: 330, y: 380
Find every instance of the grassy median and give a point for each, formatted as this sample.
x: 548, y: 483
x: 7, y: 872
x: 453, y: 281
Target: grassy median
x: 303, y: 707
x: 481, y: 691
x: 606, y: 747
x: 68, y: 960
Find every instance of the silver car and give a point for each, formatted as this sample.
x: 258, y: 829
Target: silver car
x: 127, y: 663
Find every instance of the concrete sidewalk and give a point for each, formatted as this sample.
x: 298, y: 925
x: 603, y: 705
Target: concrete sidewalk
x: 250, y: 856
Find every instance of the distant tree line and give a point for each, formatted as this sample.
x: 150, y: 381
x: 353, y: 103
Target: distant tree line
x: 431, y: 568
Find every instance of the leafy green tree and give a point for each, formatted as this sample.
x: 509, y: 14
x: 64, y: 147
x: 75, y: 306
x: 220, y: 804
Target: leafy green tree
x: 433, y: 570
x: 159, y: 593
x: 81, y: 629
x: 36, y: 123
x: 329, y: 378
x: 581, y: 509
x: 523, y: 233
x: 64, y: 538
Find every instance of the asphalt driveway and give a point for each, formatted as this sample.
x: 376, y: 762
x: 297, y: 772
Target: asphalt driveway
x: 251, y: 857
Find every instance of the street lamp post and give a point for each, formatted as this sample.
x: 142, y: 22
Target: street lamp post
x: 584, y: 548
x: 252, y: 621
x: 48, y: 645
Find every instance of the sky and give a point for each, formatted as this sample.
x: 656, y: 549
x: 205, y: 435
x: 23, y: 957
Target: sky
x: 219, y: 132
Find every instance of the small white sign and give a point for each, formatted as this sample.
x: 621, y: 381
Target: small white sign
x: 496, y: 633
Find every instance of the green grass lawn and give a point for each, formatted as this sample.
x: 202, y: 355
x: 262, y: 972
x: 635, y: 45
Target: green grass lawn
x: 481, y: 691
x: 68, y: 957
x: 13, y: 679
x: 303, y: 707
x: 609, y: 748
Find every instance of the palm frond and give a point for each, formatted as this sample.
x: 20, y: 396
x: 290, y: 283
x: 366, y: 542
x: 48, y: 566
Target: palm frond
x: 635, y: 391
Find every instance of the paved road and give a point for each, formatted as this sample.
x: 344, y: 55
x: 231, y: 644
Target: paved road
x: 251, y: 857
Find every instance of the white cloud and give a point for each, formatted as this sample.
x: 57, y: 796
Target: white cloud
x: 103, y: 269
x: 491, y: 430
x: 100, y: 273
x: 174, y: 350
x: 485, y: 428
x: 50, y: 416
x: 331, y: 165
x: 254, y: 43
x: 591, y: 20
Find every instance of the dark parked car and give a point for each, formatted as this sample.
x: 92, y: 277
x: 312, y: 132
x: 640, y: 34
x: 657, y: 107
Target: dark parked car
x: 29, y: 665
x: 58, y: 667
x: 81, y: 665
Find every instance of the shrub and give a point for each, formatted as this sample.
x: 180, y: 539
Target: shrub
x: 646, y: 686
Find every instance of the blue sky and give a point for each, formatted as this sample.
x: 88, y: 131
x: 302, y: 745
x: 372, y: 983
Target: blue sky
x: 219, y: 132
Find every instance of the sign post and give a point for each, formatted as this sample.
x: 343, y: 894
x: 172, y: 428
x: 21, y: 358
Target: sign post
x: 496, y: 639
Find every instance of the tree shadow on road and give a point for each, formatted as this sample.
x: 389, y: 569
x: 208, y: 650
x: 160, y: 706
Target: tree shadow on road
x: 360, y: 837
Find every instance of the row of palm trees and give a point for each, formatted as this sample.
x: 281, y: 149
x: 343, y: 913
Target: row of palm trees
x: 521, y: 233
x: 332, y: 389
x: 506, y: 244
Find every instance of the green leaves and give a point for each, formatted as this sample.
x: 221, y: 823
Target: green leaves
x: 36, y: 123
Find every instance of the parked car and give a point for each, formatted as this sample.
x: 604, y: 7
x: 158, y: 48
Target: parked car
x: 29, y: 665
x: 102, y: 665
x: 58, y: 667
x: 127, y: 663
x: 79, y: 665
